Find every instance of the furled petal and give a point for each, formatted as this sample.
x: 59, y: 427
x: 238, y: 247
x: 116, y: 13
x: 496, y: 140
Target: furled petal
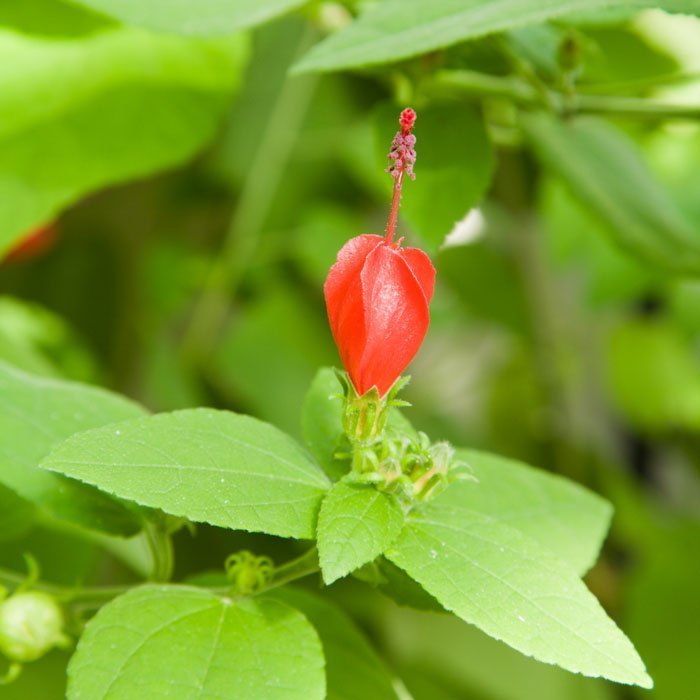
x: 396, y: 319
x: 422, y: 268
x: 343, y: 292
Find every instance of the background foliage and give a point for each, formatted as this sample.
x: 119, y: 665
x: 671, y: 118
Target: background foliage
x: 202, y: 169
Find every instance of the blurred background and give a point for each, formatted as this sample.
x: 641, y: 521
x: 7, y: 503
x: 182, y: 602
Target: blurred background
x: 185, y: 196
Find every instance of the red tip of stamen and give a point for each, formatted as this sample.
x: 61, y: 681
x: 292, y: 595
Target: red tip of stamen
x: 407, y: 120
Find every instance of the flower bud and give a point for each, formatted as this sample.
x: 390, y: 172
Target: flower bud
x: 377, y: 293
x: 31, y: 624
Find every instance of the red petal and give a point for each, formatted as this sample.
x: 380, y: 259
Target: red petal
x: 422, y: 268
x: 396, y: 318
x: 343, y: 292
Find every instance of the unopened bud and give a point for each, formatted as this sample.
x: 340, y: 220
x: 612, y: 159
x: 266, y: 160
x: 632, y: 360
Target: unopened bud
x: 31, y: 624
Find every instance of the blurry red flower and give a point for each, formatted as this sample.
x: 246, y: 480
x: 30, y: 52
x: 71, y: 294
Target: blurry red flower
x: 32, y: 245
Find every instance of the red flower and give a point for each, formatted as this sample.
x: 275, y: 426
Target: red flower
x: 377, y: 296
x: 377, y: 293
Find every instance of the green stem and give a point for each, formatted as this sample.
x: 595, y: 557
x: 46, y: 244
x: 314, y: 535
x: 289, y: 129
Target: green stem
x: 95, y: 595
x: 473, y: 83
x: 161, y: 545
x: 302, y: 566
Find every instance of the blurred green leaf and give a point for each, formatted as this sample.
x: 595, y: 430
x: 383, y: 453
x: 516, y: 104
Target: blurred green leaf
x: 662, y: 605
x: 356, y: 524
x: 494, y: 577
x: 321, y: 418
x: 400, y: 29
x: 203, y: 18
x: 577, y: 241
x: 453, y: 169
x: 562, y: 516
x: 654, y: 376
x: 83, y: 112
x: 603, y: 169
x: 40, y: 342
x: 176, y: 641
x: 210, y: 466
x: 36, y: 414
x: 354, y: 671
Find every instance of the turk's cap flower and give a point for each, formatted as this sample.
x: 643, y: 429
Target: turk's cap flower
x: 377, y: 295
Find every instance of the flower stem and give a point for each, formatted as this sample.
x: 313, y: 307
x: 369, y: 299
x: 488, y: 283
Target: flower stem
x: 394, y: 211
x: 401, y: 157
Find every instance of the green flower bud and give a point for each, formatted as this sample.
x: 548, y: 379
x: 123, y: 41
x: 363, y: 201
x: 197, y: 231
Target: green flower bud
x: 31, y: 624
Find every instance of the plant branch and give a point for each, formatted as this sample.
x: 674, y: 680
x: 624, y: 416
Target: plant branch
x: 473, y: 83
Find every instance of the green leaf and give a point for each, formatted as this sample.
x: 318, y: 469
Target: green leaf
x: 186, y: 643
x: 321, y: 421
x: 515, y: 590
x: 354, y: 671
x: 603, y: 169
x: 454, y: 166
x: 562, y: 516
x: 37, y: 413
x: 356, y: 524
x: 399, y: 29
x: 209, y: 466
x: 102, y: 108
x: 204, y: 17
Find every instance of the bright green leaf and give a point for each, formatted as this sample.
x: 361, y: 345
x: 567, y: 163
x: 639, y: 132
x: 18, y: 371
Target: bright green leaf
x: 356, y: 524
x: 399, y: 29
x: 204, y: 17
x: 186, y: 643
x: 321, y: 421
x: 209, y: 466
x: 353, y: 669
x: 100, y: 109
x: 562, y: 516
x: 505, y: 583
x: 454, y: 167
x: 36, y: 414
x: 603, y: 169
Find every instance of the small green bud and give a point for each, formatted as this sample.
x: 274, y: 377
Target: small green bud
x: 31, y: 624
